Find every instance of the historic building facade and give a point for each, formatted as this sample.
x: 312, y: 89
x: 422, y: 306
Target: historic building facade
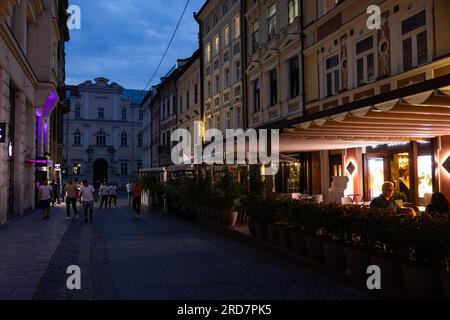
x: 32, y: 41
x: 103, y: 132
x: 221, y: 35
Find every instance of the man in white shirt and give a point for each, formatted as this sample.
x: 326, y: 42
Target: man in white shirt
x: 112, y: 194
x: 44, y: 197
x: 130, y: 187
x: 104, y: 190
x: 87, y: 199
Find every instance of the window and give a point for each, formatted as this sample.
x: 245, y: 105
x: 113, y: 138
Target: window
x: 216, y: 103
x: 332, y: 75
x: 238, y: 71
x: 124, y: 113
x: 216, y: 44
x: 365, y: 69
x: 140, y: 140
x: 138, y: 165
x: 188, y: 103
x: 101, y: 113
x: 326, y: 6
x: 181, y: 105
x: 77, y: 138
x: 414, y: 41
x: 217, y: 84
x: 196, y: 93
x: 225, y: 7
x: 209, y: 88
x: 237, y: 27
x: 237, y: 91
x: 123, y: 139
x: 256, y: 96
x: 273, y: 78
x: 77, y: 111
x: 226, y: 35
x: 141, y: 115
x: 227, y: 77
x: 228, y: 120
x: 272, y: 20
x: 294, y: 78
x: 208, y: 52
x: 101, y: 137
x: 216, y: 18
x: 293, y: 10
x: 124, y: 168
x: 226, y: 97
x: 255, y: 36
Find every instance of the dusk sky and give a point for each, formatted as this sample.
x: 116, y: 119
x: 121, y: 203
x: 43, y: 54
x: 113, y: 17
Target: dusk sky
x: 123, y: 40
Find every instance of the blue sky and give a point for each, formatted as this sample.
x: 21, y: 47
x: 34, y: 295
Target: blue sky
x: 123, y: 40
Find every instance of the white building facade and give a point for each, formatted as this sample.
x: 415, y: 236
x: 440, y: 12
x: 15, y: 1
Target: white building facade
x: 103, y: 132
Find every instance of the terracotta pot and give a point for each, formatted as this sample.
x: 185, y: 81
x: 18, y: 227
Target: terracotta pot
x: 285, y: 237
x: 391, y: 270
x: 261, y: 230
x: 272, y: 231
x: 314, y: 246
x: 445, y: 279
x: 422, y: 282
x: 299, y: 244
x: 358, y: 260
x: 231, y: 218
x: 252, y: 228
x: 334, y: 254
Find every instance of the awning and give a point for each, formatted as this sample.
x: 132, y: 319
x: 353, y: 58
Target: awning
x: 418, y: 116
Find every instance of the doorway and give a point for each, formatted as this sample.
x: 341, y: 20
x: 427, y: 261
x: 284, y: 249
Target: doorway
x: 100, y: 170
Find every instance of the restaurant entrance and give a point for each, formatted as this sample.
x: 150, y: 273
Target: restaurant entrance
x: 411, y: 172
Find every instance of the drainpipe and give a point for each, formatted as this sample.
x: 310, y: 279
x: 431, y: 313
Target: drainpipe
x: 302, y: 55
x: 244, y: 65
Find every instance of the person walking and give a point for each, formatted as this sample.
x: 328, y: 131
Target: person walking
x: 129, y: 187
x: 70, y: 194
x: 53, y: 185
x: 45, y: 197
x: 104, y: 191
x: 137, y: 192
x: 113, y: 194
x: 87, y: 199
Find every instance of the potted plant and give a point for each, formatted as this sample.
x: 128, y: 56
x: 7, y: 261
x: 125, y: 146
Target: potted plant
x: 311, y: 218
x: 425, y: 248
x: 358, y: 243
x: 298, y: 229
x: 385, y: 227
x: 334, y: 240
x: 284, y: 229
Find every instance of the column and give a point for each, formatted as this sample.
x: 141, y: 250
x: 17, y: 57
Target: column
x: 19, y: 150
x: 413, y: 172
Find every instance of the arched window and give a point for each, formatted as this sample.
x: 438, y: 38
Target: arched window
x: 77, y: 137
x: 124, y: 113
x: 101, y: 137
x: 124, y: 139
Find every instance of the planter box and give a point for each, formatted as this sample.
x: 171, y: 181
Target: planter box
x: 285, y: 237
x: 358, y: 260
x: 422, y: 282
x: 261, y: 230
x: 391, y: 270
x: 272, y: 231
x: 299, y: 244
x: 334, y: 255
x: 230, y: 219
x: 314, y: 246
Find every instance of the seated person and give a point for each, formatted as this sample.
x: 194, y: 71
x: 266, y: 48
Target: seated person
x: 386, y: 201
x: 439, y: 205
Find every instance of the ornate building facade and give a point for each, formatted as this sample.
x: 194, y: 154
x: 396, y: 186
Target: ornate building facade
x: 32, y: 50
x: 103, y: 132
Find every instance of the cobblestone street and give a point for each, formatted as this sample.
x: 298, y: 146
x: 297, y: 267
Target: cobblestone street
x: 155, y: 257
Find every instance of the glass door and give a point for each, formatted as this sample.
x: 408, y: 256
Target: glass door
x: 400, y: 174
x: 375, y: 177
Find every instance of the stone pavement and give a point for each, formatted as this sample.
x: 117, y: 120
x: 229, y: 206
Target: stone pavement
x: 155, y: 257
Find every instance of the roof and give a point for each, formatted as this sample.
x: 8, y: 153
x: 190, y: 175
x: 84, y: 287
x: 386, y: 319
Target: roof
x: 136, y: 96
